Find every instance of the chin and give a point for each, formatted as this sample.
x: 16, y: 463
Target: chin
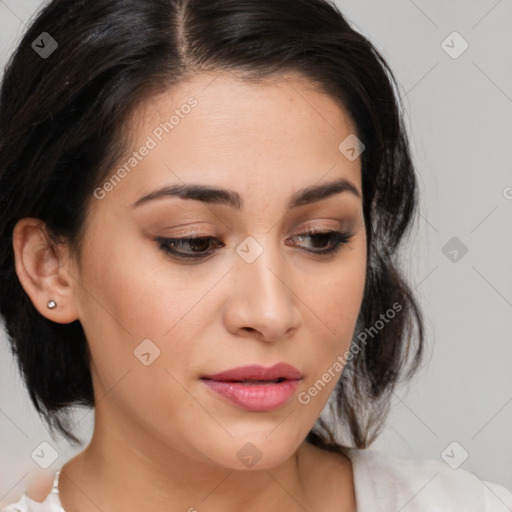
x: 256, y: 452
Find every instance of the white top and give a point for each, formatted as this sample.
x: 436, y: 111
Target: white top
x: 382, y: 483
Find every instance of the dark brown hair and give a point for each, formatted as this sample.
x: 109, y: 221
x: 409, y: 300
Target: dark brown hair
x: 62, y: 130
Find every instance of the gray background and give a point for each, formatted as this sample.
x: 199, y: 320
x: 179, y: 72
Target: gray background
x: 458, y: 112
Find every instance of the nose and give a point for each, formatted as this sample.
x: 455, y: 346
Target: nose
x: 264, y: 301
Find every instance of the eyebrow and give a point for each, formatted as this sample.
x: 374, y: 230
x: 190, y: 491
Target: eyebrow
x: 215, y: 195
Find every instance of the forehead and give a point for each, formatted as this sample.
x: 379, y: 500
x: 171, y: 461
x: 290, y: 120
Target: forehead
x: 219, y: 129
x: 227, y: 103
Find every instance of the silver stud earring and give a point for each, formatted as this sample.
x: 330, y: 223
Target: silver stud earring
x: 52, y: 304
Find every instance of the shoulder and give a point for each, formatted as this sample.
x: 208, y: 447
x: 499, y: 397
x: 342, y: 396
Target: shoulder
x: 26, y: 504
x: 37, y: 498
x: 19, y: 506
x: 419, y: 485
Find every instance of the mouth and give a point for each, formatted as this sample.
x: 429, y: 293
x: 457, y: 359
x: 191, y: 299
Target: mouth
x: 250, y: 381
x: 255, y: 388
x: 280, y: 371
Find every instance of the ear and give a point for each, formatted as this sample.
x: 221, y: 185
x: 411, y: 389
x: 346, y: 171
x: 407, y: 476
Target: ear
x: 43, y: 269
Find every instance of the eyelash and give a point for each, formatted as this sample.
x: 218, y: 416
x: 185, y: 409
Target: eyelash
x: 338, y: 240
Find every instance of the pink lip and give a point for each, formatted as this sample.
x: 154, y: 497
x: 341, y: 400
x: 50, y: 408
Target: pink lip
x: 256, y: 372
x: 262, y: 395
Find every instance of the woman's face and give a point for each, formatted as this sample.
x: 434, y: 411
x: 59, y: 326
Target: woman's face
x: 255, y: 293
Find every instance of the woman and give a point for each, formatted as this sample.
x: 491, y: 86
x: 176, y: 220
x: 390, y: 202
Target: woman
x: 202, y: 205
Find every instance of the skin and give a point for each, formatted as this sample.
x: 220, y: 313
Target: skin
x: 162, y: 440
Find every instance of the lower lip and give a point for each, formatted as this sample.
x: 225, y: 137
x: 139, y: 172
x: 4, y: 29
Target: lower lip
x: 255, y: 397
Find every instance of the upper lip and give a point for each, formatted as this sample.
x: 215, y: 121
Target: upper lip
x: 257, y: 372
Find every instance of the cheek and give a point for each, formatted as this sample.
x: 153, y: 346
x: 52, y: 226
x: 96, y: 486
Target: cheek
x: 338, y: 309
x: 346, y: 297
x: 340, y: 294
x: 129, y: 296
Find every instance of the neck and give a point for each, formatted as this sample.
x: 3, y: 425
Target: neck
x: 124, y: 469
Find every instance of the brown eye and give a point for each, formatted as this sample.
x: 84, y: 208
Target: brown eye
x: 201, y: 247
x: 198, y: 247
x: 336, y: 239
